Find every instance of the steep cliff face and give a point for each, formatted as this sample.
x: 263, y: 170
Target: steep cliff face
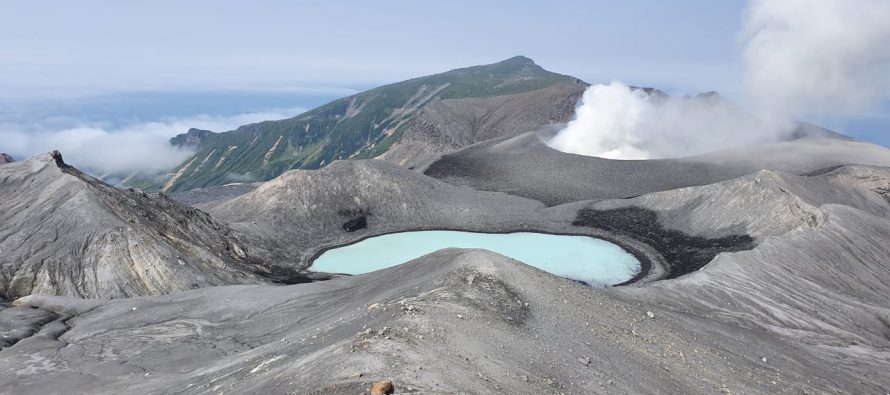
x: 190, y: 139
x: 65, y: 233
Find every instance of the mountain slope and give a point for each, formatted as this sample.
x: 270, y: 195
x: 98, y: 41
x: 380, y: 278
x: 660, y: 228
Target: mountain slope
x: 359, y: 126
x: 448, y: 125
x: 65, y: 233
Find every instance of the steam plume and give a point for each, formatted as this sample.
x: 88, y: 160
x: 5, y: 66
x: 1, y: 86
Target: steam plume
x: 807, y: 57
x: 802, y: 58
x: 619, y: 122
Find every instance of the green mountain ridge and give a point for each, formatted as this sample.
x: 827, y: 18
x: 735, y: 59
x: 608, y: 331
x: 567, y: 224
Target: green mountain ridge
x: 363, y: 125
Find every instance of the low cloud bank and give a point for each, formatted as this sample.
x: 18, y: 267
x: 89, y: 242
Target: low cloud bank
x: 132, y: 148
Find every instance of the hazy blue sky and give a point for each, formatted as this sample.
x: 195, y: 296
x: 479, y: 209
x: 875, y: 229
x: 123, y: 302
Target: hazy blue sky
x: 70, y: 47
x: 70, y: 59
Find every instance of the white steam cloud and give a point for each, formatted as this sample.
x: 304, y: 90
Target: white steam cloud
x: 135, y: 148
x: 619, y: 122
x: 802, y: 58
x: 816, y: 56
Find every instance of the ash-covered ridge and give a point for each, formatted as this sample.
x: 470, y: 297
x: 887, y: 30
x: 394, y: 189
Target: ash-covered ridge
x: 524, y: 165
x: 66, y: 233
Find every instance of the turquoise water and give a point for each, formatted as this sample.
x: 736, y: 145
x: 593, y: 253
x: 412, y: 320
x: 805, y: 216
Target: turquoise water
x: 593, y: 261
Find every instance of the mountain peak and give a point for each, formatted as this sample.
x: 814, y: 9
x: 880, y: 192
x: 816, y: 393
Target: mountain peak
x: 519, y: 60
x: 4, y: 158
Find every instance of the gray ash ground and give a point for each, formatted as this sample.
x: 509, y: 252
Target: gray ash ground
x: 788, y: 296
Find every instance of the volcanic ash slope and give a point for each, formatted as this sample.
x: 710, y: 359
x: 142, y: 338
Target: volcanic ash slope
x: 494, y: 323
x: 65, y: 233
x: 802, y: 310
x: 819, y: 275
x: 524, y: 165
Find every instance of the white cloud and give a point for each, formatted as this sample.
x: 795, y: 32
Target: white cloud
x: 138, y: 147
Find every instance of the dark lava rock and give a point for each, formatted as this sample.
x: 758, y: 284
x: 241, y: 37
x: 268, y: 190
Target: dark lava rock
x: 684, y: 253
x: 4, y: 158
x: 356, y: 224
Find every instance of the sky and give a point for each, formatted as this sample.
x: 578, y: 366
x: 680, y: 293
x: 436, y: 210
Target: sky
x: 64, y: 47
x: 63, y: 59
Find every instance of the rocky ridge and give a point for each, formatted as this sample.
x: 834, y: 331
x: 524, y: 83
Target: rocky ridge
x: 66, y: 233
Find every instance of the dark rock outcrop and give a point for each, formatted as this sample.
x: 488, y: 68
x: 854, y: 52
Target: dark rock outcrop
x: 190, y: 139
x: 355, y: 224
x: 4, y: 158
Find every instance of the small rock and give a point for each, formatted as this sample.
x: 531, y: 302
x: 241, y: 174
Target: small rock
x: 650, y: 314
x: 382, y: 388
x: 357, y: 375
x: 584, y: 361
x: 470, y: 279
x: 763, y: 359
x: 373, y: 306
x: 133, y: 309
x: 460, y: 317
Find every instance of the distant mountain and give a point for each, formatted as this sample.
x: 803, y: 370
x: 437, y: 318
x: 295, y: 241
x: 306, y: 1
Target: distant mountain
x: 364, y: 125
x: 4, y: 158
